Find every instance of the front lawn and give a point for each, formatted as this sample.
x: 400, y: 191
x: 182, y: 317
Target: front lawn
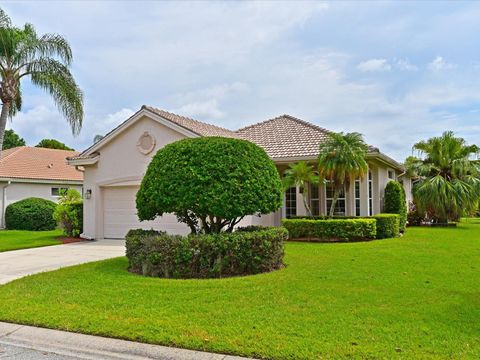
x: 20, y: 239
x: 412, y: 297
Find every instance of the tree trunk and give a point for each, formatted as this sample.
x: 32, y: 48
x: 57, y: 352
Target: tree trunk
x: 305, y: 203
x: 336, y: 194
x: 3, y: 122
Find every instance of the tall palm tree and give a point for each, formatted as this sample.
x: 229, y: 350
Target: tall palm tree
x: 45, y: 60
x: 301, y: 175
x: 342, y: 159
x: 448, y: 175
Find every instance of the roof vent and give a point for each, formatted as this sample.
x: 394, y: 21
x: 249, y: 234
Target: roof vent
x: 50, y: 165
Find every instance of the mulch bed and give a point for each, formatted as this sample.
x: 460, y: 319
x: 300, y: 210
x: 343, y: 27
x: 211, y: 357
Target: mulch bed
x: 69, y: 240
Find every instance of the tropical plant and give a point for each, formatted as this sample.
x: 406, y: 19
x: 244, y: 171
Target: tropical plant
x: 11, y: 140
x: 69, y: 213
x: 301, y: 175
x: 53, y: 144
x: 341, y: 160
x: 210, y: 183
x: 448, y: 184
x: 45, y: 60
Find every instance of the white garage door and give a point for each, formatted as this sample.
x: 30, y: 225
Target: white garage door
x: 120, y: 215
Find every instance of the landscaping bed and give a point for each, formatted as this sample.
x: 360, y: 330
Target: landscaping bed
x: 404, y: 298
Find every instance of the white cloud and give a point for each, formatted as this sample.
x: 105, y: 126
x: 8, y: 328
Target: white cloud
x: 201, y: 110
x: 405, y: 65
x: 439, y: 64
x: 373, y: 65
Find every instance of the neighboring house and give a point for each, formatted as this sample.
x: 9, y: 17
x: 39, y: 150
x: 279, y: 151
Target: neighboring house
x: 35, y: 172
x: 115, y: 166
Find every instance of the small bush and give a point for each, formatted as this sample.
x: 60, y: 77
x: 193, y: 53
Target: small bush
x: 153, y: 253
x: 395, y: 202
x: 69, y: 213
x: 388, y: 225
x: 31, y: 214
x: 414, y: 218
x: 332, y: 229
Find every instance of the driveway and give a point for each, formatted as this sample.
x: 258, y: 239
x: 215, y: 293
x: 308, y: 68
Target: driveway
x: 20, y: 263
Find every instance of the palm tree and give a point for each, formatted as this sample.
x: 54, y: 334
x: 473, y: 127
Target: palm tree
x: 45, y: 60
x: 301, y: 175
x: 447, y: 170
x: 342, y: 159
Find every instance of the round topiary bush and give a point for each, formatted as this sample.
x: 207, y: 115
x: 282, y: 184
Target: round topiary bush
x: 210, y: 183
x: 31, y: 214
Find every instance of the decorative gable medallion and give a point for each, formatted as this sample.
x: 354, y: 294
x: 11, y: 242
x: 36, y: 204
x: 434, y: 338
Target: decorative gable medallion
x: 146, y: 143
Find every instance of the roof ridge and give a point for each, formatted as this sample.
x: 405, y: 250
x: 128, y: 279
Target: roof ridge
x: 303, y: 122
x: 185, y: 117
x: 14, y: 151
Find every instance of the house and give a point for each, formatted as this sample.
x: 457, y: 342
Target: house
x: 114, y: 168
x: 35, y: 172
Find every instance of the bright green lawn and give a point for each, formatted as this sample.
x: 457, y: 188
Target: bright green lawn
x: 413, y: 297
x: 19, y: 239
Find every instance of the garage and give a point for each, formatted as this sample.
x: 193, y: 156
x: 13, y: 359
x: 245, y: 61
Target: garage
x: 120, y: 214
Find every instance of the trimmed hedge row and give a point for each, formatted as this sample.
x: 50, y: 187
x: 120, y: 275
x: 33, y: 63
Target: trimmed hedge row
x: 332, y: 229
x: 31, y: 214
x: 388, y: 225
x: 153, y: 253
x: 346, y: 229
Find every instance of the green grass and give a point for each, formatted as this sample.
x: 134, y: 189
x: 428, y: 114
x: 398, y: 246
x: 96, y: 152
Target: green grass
x: 412, y: 297
x: 19, y: 239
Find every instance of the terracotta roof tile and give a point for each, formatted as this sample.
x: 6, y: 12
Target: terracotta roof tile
x: 38, y: 163
x: 285, y: 136
x: 195, y: 126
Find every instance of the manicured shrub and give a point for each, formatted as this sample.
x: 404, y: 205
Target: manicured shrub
x: 210, y: 183
x: 31, y: 214
x: 388, y: 225
x: 69, y: 213
x: 331, y: 229
x: 395, y: 202
x: 157, y: 254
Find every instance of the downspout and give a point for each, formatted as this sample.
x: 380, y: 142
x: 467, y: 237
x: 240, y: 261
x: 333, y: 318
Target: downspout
x: 4, y: 203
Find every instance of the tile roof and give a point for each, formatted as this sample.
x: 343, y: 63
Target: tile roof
x: 285, y: 136
x: 195, y: 126
x: 39, y: 164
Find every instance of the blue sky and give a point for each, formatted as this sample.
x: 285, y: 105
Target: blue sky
x: 397, y: 72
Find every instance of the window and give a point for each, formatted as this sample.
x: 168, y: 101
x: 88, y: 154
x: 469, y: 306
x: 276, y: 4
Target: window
x: 370, y: 193
x: 57, y: 191
x: 315, y: 199
x: 291, y: 202
x: 357, y: 197
x: 391, y: 174
x: 340, y: 205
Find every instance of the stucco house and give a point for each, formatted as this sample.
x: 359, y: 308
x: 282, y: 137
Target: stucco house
x: 114, y: 167
x: 35, y: 172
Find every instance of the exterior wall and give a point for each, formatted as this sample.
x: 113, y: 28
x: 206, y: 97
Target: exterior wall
x: 120, y: 163
x: 18, y: 191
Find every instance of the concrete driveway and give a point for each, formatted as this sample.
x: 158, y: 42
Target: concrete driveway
x: 20, y: 263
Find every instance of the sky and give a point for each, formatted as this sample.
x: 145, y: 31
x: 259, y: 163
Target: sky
x: 397, y: 72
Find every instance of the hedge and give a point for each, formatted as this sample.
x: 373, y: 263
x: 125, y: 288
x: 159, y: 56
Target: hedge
x: 379, y: 226
x: 395, y: 202
x: 388, y: 225
x: 332, y: 229
x: 157, y: 254
x: 30, y: 214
